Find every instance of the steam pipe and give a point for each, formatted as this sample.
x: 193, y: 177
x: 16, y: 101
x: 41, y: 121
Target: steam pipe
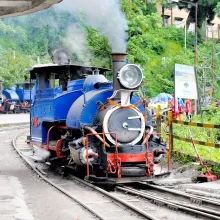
x: 148, y: 135
x: 97, y: 135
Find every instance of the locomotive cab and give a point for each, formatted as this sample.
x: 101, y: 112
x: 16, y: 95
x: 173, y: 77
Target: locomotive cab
x: 57, y: 87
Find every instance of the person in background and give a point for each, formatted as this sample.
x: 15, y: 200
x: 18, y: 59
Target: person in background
x: 188, y: 110
x: 207, y: 101
x: 174, y: 107
x: 181, y: 108
x: 149, y: 100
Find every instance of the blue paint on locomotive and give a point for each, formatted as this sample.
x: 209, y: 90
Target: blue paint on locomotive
x: 11, y: 94
x: 84, y: 109
x: 75, y: 85
x: 51, y: 105
x: 91, y: 80
x: 24, y: 94
x: 77, y: 106
x: 20, y: 93
x: 17, y: 94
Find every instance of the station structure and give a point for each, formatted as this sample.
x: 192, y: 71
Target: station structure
x: 11, y: 8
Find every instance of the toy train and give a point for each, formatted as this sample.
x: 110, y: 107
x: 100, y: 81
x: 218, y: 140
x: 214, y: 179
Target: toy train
x: 15, y: 99
x: 90, y: 124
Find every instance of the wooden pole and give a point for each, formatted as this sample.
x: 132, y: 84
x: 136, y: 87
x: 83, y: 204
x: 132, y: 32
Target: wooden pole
x: 158, y: 120
x: 170, y: 130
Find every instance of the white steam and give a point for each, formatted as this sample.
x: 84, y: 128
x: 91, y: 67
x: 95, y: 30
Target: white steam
x: 76, y: 41
x: 41, y: 153
x: 105, y: 16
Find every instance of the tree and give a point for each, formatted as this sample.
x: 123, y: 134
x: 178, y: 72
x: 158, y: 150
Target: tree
x: 217, y: 9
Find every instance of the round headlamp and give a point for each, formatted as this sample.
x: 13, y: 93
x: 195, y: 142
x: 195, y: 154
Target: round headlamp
x: 130, y: 76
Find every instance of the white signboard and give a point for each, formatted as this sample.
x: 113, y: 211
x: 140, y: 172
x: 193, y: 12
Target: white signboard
x: 185, y: 82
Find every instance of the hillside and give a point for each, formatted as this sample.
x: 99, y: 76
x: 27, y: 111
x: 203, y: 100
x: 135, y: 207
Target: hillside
x: 155, y: 48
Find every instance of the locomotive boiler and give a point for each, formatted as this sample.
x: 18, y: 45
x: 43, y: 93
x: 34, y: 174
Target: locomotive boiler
x: 90, y: 124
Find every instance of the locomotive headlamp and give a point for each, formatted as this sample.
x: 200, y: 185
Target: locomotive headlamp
x: 130, y: 76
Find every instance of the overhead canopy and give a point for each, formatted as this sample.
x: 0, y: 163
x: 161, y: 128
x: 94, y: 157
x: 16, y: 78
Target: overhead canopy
x: 77, y: 70
x: 161, y: 98
x: 10, y: 8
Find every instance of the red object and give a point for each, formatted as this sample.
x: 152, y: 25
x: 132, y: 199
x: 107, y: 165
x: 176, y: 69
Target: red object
x: 208, y: 177
x: 115, y: 159
x: 59, y: 142
x: 188, y: 106
x: 113, y: 167
x: 174, y: 115
x: 181, y: 109
x: 35, y: 122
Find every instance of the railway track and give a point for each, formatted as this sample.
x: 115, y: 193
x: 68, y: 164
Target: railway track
x: 100, y: 203
x: 125, y: 203
x: 205, y: 207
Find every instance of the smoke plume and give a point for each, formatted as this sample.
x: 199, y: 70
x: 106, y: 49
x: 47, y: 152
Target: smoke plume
x: 105, y: 16
x: 76, y: 40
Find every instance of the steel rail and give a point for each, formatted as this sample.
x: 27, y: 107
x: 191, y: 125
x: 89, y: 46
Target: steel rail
x: 41, y: 175
x: 135, y: 208
x: 177, y: 205
x: 184, y: 194
x: 50, y: 182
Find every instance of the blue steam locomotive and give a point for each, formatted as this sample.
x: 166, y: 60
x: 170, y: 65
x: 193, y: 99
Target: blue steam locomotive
x: 16, y: 98
x: 90, y: 124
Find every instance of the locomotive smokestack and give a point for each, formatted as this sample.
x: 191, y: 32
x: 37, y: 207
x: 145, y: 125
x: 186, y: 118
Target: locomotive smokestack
x: 118, y: 61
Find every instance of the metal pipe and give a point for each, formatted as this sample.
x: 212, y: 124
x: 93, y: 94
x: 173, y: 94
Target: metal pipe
x: 97, y: 135
x: 148, y: 135
x: 195, y: 60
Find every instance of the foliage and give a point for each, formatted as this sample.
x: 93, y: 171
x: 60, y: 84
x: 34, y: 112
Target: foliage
x: 211, y: 135
x: 12, y: 67
x: 209, y: 63
x: 206, y: 10
x: 148, y: 43
x: 99, y: 47
x: 217, y: 9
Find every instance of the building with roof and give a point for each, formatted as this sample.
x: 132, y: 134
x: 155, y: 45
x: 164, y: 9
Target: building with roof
x: 178, y: 17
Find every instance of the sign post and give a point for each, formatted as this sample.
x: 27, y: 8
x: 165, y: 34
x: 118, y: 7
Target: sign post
x: 185, y: 82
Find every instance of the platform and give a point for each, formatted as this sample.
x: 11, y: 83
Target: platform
x: 7, y: 119
x: 209, y: 189
x: 12, y: 203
